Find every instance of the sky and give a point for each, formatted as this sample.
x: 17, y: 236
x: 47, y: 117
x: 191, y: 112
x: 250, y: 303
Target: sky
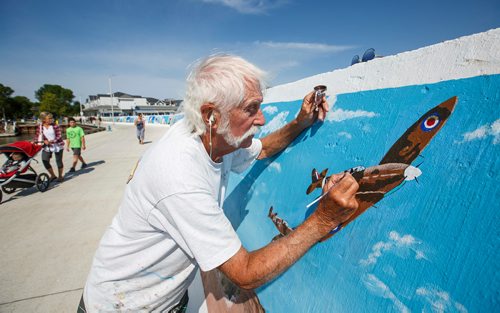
x: 146, y: 47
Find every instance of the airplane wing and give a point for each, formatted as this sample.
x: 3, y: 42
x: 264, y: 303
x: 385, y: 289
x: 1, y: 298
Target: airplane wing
x: 407, y: 148
x: 281, y: 224
x: 374, y: 183
x: 316, y: 180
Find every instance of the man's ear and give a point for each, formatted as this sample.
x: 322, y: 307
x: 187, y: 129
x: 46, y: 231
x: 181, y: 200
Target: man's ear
x: 209, y: 115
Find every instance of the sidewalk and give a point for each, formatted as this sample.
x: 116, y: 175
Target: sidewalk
x: 48, y: 239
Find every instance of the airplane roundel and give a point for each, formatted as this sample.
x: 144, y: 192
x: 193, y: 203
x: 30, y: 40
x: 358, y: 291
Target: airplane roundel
x: 430, y: 122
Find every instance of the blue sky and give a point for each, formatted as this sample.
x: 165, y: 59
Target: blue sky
x: 147, y: 46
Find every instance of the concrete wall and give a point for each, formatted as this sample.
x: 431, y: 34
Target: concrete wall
x: 431, y: 246
x: 150, y: 119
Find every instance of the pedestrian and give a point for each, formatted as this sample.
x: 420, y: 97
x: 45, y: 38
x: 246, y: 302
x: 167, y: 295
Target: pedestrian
x: 75, y: 139
x: 140, y: 125
x: 171, y: 221
x: 49, y: 134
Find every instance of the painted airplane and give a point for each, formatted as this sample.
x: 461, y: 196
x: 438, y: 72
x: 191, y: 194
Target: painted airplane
x: 394, y: 168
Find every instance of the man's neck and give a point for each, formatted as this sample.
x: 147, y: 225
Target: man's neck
x: 219, y: 147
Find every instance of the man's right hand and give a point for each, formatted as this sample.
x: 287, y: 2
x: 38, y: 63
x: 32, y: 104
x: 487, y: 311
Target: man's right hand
x: 340, y: 202
x: 250, y: 270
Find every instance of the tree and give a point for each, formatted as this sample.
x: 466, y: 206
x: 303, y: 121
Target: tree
x: 74, y: 109
x: 55, y: 99
x: 5, y: 93
x: 50, y: 103
x: 20, y: 107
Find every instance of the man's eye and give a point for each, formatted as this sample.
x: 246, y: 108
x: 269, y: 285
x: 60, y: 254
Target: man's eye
x: 252, y: 110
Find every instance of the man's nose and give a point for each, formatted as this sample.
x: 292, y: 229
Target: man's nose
x: 260, y: 120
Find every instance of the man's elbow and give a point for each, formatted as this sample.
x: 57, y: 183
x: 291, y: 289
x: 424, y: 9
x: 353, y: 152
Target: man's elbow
x: 247, y: 284
x: 262, y: 155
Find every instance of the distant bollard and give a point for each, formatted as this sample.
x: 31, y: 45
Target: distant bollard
x: 109, y: 128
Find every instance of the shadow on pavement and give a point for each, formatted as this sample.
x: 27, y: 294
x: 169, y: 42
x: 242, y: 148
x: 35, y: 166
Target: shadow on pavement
x: 54, y: 184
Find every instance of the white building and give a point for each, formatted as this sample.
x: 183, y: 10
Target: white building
x: 124, y: 104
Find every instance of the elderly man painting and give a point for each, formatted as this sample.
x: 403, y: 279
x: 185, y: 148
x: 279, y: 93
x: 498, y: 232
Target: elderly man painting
x: 170, y: 222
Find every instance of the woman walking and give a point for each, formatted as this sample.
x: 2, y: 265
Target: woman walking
x: 140, y: 125
x: 50, y: 135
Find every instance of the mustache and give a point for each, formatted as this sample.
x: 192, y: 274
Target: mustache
x: 252, y: 131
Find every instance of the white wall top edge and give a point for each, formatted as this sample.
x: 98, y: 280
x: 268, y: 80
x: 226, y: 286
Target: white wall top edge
x: 464, y: 57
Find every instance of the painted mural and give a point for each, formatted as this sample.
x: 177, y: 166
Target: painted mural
x: 431, y: 246
x: 377, y: 181
x: 150, y: 119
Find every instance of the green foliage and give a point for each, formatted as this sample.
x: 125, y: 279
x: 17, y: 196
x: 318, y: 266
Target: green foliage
x: 20, y: 107
x: 55, y: 99
x: 5, y: 92
x: 74, y: 109
x: 14, y: 107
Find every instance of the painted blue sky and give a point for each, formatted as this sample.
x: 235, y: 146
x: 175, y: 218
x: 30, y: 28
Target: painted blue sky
x: 147, y: 45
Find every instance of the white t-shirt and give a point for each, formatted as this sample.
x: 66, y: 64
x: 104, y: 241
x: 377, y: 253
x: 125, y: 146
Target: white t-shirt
x: 50, y: 134
x: 170, y: 222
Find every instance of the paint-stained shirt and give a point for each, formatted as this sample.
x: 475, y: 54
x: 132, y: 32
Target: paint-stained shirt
x: 170, y: 222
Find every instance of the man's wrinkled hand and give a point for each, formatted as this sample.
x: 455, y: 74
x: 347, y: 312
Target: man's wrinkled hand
x: 340, y: 202
x: 309, y: 112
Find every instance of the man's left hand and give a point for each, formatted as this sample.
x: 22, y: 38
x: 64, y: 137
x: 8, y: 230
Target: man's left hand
x: 308, y: 113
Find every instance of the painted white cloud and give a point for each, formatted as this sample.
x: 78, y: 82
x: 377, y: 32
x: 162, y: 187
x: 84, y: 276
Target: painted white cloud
x: 303, y: 46
x: 261, y: 189
x: 270, y: 109
x: 366, y: 128
x: 439, y: 301
x: 249, y: 6
x: 379, y: 288
x: 276, y: 123
x: 484, y: 131
x: 275, y: 166
x: 396, y: 241
x: 479, y: 133
x: 339, y: 115
x: 389, y: 270
x: 345, y: 134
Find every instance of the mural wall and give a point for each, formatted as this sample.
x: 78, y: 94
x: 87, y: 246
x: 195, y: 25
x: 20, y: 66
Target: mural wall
x: 150, y: 119
x: 431, y: 245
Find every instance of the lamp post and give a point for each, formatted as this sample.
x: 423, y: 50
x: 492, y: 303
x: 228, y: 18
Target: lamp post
x: 111, y: 97
x: 81, y: 110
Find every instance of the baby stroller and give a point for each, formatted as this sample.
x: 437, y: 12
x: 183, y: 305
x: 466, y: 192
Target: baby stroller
x: 16, y: 172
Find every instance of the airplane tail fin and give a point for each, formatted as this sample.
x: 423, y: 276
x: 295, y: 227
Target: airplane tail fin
x: 317, y: 180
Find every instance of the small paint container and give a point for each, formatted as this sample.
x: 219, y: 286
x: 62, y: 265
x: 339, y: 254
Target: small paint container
x: 320, y: 91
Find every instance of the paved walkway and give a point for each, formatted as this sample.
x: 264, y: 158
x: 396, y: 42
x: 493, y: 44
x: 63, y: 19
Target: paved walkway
x: 47, y: 240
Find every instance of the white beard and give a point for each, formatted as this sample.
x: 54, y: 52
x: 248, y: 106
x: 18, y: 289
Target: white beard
x: 232, y: 140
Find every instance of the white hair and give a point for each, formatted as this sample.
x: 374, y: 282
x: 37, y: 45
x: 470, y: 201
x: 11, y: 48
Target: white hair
x: 220, y: 79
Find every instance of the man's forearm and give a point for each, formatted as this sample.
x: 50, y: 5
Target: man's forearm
x: 263, y: 265
x: 280, y: 139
